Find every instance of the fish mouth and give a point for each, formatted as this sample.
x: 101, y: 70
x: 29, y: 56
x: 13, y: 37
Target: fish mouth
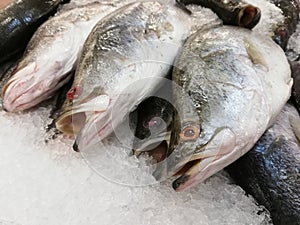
x: 71, y: 123
x: 205, y: 161
x: 75, y: 116
x: 196, y: 165
x: 98, y: 125
x: 25, y: 89
x: 249, y: 16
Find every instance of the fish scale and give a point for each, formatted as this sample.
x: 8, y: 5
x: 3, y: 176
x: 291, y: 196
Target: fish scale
x: 244, y: 90
x: 51, y: 55
x: 146, y: 38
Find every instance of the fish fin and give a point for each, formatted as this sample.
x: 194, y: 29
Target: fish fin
x: 255, y: 55
x: 295, y: 124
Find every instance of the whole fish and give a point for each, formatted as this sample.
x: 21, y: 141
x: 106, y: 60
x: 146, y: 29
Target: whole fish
x: 270, y: 170
x: 50, y: 56
x: 18, y: 22
x: 234, y: 83
x: 124, y: 57
x: 283, y: 30
x: 232, y: 12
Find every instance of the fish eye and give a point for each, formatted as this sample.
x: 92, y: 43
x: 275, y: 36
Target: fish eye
x: 190, y: 132
x: 154, y: 122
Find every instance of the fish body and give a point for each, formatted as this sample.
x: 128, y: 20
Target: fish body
x: 18, y: 22
x: 283, y: 30
x: 51, y: 55
x: 270, y: 170
x: 124, y: 57
x: 235, y: 89
x: 232, y: 12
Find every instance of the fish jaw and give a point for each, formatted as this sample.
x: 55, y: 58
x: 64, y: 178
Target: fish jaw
x: 97, y: 127
x: 249, y: 16
x: 32, y: 84
x: 205, y: 161
x: 74, y: 117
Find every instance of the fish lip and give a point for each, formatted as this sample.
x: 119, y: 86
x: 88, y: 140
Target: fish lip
x: 143, y: 145
x: 247, y: 17
x: 19, y: 101
x: 201, y: 162
x: 192, y: 175
x: 66, y: 125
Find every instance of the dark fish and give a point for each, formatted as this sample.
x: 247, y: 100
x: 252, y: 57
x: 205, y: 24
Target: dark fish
x: 290, y: 10
x: 295, y: 67
x: 151, y: 124
x: 232, y: 12
x: 270, y: 172
x: 6, y: 67
x: 18, y: 22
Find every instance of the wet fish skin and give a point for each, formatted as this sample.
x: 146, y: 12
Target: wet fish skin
x: 6, y: 71
x: 18, y: 22
x: 227, y: 73
x: 51, y: 55
x: 126, y: 47
x: 153, y: 122
x: 295, y: 67
x: 270, y: 170
x: 232, y: 12
x: 290, y: 10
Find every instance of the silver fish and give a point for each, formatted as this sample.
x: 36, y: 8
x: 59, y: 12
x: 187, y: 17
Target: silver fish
x: 237, y: 81
x: 51, y: 54
x: 124, y: 56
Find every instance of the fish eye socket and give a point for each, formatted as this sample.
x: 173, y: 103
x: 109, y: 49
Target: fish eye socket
x: 154, y: 122
x: 190, y: 132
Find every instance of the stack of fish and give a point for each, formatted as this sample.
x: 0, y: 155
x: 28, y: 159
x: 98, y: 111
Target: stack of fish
x: 228, y: 84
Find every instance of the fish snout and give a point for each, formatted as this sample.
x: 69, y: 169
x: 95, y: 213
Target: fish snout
x: 192, y: 164
x: 249, y: 16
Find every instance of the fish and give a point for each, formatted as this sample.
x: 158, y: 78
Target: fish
x: 19, y: 20
x: 6, y: 67
x: 284, y: 29
x: 51, y: 55
x: 295, y: 98
x: 56, y: 104
x: 232, y: 12
x: 270, y: 170
x: 151, y: 124
x: 233, y: 83
x: 126, y: 56
x: 6, y: 71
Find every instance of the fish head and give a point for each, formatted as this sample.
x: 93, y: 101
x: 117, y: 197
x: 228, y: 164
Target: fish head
x: 192, y: 157
x: 30, y: 84
x: 249, y: 16
x: 152, y: 122
x: 197, y: 148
